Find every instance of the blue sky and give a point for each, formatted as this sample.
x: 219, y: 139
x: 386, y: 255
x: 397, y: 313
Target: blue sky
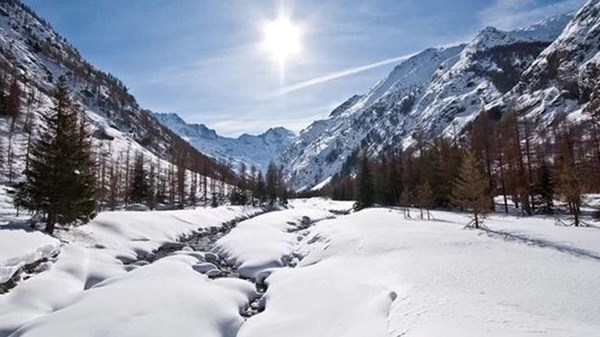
x: 202, y: 58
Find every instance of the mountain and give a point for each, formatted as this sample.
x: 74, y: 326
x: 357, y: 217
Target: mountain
x: 435, y: 92
x: 36, y: 56
x: 560, y: 81
x: 248, y: 149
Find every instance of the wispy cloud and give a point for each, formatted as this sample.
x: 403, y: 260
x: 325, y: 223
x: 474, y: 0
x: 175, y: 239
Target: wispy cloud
x: 510, y: 14
x: 336, y: 75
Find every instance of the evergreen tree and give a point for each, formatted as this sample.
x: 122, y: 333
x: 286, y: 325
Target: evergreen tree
x: 261, y: 193
x: 59, y: 181
x: 272, y: 184
x: 470, y: 190
x: 140, y: 190
x: 544, y: 189
x: 366, y: 190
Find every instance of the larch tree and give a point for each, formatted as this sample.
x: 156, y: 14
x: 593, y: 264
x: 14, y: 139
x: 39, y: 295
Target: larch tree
x: 425, y: 199
x: 471, y: 190
x: 570, y: 185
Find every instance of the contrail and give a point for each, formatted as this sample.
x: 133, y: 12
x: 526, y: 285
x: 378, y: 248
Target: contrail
x: 329, y: 77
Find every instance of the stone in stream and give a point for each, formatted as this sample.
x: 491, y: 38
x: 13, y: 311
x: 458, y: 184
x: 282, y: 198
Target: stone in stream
x: 173, y: 246
x: 204, y: 267
x: 214, y: 273
x: 211, y: 257
x: 141, y: 263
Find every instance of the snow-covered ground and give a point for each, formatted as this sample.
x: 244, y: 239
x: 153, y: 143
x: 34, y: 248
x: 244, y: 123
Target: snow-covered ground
x: 370, y: 273
x: 96, y: 252
x: 373, y: 273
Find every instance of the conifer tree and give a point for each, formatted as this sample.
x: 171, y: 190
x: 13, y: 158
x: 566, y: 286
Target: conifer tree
x: 59, y: 182
x: 366, y: 190
x: 261, y: 192
x: 140, y: 190
x: 470, y: 190
x: 544, y: 189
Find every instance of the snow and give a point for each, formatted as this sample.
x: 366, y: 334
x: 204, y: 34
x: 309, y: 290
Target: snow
x: 373, y: 273
x: 96, y: 252
x: 370, y: 273
x: 264, y: 242
x: 21, y: 245
x: 183, y: 302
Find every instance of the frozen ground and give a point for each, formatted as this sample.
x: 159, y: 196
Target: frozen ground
x: 100, y: 251
x: 371, y: 273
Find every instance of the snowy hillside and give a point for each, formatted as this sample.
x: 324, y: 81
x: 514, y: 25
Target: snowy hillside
x: 437, y: 91
x: 36, y: 56
x: 559, y: 81
x: 252, y: 150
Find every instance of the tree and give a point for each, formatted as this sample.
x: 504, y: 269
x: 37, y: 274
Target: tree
x: 261, y: 190
x: 14, y: 111
x: 272, y: 183
x: 59, y: 182
x: 470, y: 190
x: 544, y: 189
x: 570, y: 185
x: 425, y: 199
x: 365, y: 185
x: 405, y: 201
x: 140, y: 190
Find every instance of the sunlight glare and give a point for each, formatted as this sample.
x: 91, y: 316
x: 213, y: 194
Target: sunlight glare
x: 282, y: 39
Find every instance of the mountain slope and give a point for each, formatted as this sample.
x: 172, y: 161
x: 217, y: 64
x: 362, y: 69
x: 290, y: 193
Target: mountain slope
x: 248, y: 149
x: 33, y: 53
x: 438, y: 91
x: 560, y: 81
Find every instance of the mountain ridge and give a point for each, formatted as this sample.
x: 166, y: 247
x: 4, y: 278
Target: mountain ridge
x: 252, y: 150
x: 443, y: 91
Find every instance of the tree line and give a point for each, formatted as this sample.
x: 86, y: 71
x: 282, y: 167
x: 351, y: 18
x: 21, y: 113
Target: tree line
x: 500, y: 155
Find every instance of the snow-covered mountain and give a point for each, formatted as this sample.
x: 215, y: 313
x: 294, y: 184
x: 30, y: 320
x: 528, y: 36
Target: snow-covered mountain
x: 33, y: 53
x: 437, y: 91
x: 560, y: 81
x: 249, y: 149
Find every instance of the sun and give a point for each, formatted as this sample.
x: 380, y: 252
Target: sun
x: 282, y: 39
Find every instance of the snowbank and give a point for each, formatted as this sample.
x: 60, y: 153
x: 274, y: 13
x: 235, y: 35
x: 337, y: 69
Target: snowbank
x: 373, y: 273
x: 21, y: 245
x: 264, y: 242
x: 166, y: 298
x: 95, y: 253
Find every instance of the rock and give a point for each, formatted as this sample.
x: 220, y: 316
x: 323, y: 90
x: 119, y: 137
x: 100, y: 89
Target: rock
x: 173, y: 246
x: 212, y: 257
x: 137, y: 208
x: 214, y: 273
x: 141, y: 263
x: 204, y: 268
